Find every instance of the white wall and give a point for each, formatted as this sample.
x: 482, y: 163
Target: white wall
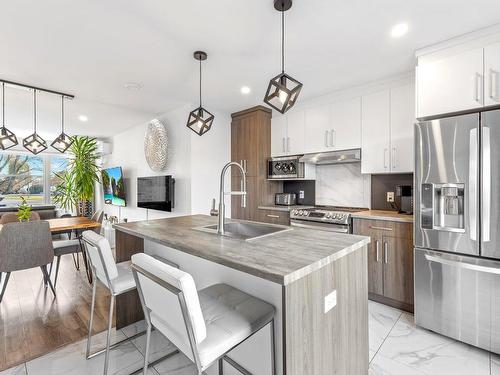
x: 195, y: 163
x: 342, y: 185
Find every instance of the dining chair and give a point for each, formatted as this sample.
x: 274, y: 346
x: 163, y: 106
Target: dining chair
x: 98, y: 216
x: 11, y: 217
x: 25, y: 245
x: 205, y: 325
x: 116, y: 277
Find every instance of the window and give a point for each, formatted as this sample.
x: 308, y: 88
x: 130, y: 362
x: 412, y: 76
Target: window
x: 33, y: 177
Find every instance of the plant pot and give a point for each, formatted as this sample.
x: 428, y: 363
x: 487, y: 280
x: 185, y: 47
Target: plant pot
x: 85, y: 208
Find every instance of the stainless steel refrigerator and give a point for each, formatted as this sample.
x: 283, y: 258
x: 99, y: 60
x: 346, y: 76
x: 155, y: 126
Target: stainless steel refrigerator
x: 457, y: 228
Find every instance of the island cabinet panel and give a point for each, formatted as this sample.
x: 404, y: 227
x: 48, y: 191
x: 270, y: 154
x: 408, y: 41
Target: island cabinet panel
x: 251, y: 147
x: 128, y: 306
x: 390, y: 261
x: 328, y: 339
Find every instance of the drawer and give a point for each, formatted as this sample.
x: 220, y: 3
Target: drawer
x: 274, y: 217
x: 375, y: 228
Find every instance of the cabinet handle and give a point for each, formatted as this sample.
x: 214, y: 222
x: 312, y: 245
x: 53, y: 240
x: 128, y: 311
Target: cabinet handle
x: 288, y: 144
x: 493, y: 84
x: 386, y: 256
x: 332, y: 134
x: 380, y: 228
x: 385, y: 158
x: 377, y: 247
x: 326, y: 138
x: 477, y: 87
x: 273, y: 216
x: 283, y: 144
x: 394, y: 157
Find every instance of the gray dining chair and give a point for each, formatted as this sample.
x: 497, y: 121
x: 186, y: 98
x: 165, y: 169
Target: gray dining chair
x: 98, y: 216
x: 11, y: 217
x: 25, y: 245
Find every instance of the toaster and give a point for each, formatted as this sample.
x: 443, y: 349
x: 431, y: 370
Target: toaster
x: 285, y: 199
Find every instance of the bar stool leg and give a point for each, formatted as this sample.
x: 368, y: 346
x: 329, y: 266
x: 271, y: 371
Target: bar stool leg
x: 146, y: 352
x: 108, y: 338
x: 221, y: 366
x: 273, y: 348
x: 89, y: 337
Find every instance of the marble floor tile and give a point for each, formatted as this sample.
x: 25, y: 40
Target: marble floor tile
x: 159, y: 345
x: 425, y: 352
x: 177, y: 365
x: 495, y: 364
x: 71, y: 360
x: 385, y: 366
x: 382, y: 319
x: 17, y: 370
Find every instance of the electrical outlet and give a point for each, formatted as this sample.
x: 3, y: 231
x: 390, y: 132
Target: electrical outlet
x: 301, y: 194
x: 330, y: 301
x: 390, y: 196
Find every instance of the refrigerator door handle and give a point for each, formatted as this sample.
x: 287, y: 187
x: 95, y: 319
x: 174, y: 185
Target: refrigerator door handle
x: 473, y: 184
x: 486, y: 185
x: 462, y: 264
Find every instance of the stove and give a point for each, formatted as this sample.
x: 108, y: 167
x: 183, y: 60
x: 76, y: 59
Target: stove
x: 330, y: 218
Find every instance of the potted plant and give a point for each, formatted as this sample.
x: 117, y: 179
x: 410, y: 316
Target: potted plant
x: 76, y: 189
x: 24, y: 210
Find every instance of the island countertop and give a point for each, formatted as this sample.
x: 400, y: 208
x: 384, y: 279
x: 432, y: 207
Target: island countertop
x: 283, y: 257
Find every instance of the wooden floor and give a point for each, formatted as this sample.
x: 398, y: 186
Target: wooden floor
x: 33, y: 322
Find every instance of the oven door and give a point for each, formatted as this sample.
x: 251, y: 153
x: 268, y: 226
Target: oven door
x: 338, y: 228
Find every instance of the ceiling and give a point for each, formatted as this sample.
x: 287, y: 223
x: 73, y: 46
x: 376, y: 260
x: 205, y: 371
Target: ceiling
x: 92, y: 48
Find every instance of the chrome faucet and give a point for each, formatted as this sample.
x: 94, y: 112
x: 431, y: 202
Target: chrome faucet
x: 221, y: 212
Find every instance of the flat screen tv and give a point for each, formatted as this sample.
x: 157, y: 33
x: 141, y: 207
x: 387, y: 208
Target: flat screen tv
x: 113, y: 186
x: 156, y: 193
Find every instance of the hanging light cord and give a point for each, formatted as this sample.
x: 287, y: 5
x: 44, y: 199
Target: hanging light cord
x: 62, y: 113
x: 34, y: 109
x: 282, y: 40
x: 200, y: 82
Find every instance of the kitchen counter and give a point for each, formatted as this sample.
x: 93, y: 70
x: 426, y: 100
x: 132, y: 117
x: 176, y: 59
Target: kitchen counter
x: 284, y: 208
x: 283, y: 257
x: 383, y: 215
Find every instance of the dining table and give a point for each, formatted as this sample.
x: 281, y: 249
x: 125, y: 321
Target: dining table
x: 78, y: 224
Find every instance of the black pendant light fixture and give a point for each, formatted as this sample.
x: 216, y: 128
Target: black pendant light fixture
x: 200, y: 120
x: 64, y: 141
x: 7, y: 138
x: 34, y: 143
x: 283, y: 90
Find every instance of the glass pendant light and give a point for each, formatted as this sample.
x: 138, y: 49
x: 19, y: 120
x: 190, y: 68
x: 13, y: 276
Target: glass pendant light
x: 7, y: 138
x: 283, y: 90
x: 64, y: 141
x: 34, y: 143
x: 200, y: 120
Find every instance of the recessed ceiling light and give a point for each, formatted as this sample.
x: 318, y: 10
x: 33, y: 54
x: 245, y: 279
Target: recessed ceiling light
x: 399, y: 30
x: 132, y: 86
x: 83, y: 118
x: 245, y: 90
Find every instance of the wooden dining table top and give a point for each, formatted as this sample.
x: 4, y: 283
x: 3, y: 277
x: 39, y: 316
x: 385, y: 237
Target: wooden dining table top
x: 71, y: 223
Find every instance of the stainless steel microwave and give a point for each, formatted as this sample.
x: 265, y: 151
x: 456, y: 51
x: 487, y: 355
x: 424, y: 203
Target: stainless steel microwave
x: 285, y: 167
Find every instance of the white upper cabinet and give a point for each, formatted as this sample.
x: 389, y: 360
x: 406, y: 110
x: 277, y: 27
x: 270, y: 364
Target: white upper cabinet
x: 295, y: 133
x: 278, y: 134
x: 450, y: 84
x: 375, y: 140
x: 317, y: 129
x: 345, y: 131
x: 402, y: 125
x: 492, y: 74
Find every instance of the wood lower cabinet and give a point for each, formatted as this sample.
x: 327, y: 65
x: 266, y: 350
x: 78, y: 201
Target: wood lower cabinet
x: 390, y: 261
x: 275, y: 217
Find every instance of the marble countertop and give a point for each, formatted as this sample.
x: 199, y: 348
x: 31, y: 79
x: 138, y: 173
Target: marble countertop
x: 283, y: 257
x: 274, y: 207
x: 383, y: 215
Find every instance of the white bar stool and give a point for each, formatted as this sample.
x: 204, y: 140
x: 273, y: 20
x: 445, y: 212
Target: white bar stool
x: 118, y: 278
x: 204, y: 325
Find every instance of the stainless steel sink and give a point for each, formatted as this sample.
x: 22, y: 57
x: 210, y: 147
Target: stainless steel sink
x: 245, y: 231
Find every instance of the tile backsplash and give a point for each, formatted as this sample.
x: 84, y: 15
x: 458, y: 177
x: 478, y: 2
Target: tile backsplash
x: 342, y: 185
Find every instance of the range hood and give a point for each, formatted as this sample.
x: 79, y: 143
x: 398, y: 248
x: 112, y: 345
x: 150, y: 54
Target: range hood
x: 333, y: 157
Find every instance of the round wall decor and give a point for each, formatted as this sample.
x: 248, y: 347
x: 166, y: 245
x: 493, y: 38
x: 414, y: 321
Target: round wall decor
x: 155, y: 145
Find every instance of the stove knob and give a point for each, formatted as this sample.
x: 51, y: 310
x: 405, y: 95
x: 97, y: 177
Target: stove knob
x: 294, y: 212
x: 328, y: 216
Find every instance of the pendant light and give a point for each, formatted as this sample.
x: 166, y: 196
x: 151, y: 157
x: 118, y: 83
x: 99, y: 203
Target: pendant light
x: 34, y: 143
x: 283, y: 90
x: 64, y: 141
x: 7, y: 138
x: 200, y: 120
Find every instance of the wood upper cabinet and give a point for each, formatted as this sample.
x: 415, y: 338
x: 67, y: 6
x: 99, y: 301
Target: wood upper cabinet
x: 452, y: 83
x: 390, y: 261
x: 376, y: 141
x: 492, y: 74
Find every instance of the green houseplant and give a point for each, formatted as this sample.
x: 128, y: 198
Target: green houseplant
x: 76, y: 189
x: 24, y: 210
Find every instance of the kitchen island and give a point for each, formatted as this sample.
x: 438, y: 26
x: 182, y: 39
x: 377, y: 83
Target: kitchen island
x: 316, y: 280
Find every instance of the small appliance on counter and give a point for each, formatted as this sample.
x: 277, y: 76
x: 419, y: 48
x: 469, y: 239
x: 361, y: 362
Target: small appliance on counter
x: 405, y: 195
x: 285, y: 199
